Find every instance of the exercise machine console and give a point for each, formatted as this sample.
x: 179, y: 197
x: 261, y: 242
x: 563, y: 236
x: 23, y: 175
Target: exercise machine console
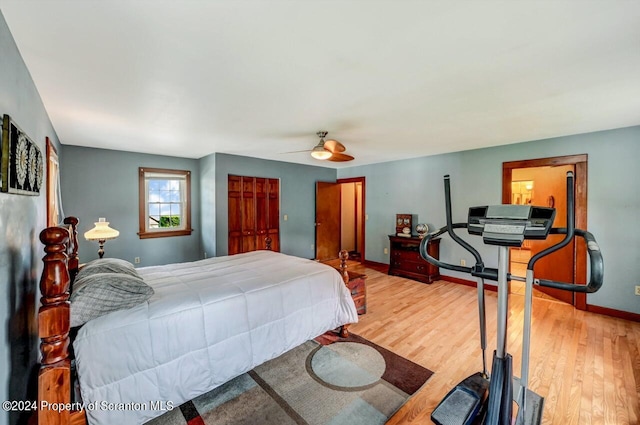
x: 484, y: 399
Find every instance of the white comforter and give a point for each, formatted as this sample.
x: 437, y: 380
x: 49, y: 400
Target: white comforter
x: 208, y: 321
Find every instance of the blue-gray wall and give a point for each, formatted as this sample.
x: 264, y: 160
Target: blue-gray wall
x: 415, y: 186
x: 208, y: 203
x: 297, y: 200
x: 21, y: 220
x: 104, y: 183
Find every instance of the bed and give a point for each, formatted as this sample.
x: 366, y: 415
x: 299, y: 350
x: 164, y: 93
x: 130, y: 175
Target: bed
x: 206, y: 322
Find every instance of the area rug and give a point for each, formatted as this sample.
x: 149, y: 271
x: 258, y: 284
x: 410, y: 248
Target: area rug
x: 350, y: 381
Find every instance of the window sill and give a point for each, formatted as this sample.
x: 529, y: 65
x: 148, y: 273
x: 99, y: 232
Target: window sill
x: 164, y: 234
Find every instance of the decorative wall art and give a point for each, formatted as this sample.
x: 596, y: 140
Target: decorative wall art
x: 22, y: 166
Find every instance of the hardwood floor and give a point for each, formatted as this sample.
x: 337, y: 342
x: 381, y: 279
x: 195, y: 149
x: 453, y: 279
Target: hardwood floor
x: 585, y: 365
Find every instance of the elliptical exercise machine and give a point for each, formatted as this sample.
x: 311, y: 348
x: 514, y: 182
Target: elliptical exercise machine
x: 480, y: 399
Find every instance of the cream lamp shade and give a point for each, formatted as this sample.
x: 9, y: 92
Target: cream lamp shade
x: 101, y: 233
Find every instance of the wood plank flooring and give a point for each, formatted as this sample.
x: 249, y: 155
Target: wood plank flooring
x: 585, y: 365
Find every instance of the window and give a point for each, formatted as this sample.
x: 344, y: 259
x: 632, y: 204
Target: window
x: 164, y: 202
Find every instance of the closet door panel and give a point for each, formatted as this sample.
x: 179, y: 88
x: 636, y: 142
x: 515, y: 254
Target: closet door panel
x: 261, y: 213
x: 234, y: 200
x: 273, y: 213
x: 248, y: 214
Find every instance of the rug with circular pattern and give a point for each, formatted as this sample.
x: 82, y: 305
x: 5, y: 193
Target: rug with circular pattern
x: 350, y: 381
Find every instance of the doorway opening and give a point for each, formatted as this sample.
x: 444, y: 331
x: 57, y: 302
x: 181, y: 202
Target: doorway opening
x: 543, y: 182
x: 351, y: 220
x: 340, y: 218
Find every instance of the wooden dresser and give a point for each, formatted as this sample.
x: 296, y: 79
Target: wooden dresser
x: 406, y: 261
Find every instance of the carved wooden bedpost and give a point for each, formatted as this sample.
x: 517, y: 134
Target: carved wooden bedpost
x: 267, y: 242
x: 344, y: 256
x: 53, y: 328
x: 72, y: 257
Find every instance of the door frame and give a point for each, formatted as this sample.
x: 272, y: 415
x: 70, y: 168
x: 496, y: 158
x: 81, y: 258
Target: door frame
x: 580, y: 165
x: 363, y: 213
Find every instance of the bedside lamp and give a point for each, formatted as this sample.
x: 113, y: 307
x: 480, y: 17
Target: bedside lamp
x: 101, y: 233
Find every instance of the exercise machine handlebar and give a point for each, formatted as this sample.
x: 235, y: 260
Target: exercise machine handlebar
x: 450, y: 225
x: 479, y: 266
x: 596, y: 265
x: 425, y: 254
x: 570, y: 232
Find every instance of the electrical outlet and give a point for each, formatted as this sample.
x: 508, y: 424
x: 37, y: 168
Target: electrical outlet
x: 136, y: 260
x: 386, y: 251
x: 463, y: 262
x: 637, y: 289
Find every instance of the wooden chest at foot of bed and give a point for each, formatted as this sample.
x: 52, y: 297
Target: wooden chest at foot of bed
x: 358, y: 287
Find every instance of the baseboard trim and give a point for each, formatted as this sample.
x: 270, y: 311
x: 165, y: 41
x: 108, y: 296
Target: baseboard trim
x: 466, y: 282
x: 619, y: 314
x: 380, y: 267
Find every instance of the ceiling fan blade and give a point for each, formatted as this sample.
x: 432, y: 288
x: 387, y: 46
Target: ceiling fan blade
x: 334, y: 146
x: 305, y: 150
x: 340, y: 157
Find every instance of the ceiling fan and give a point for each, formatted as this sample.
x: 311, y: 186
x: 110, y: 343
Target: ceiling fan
x: 329, y: 150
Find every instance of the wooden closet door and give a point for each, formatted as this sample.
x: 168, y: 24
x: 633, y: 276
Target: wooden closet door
x: 261, y: 213
x: 273, y: 213
x: 248, y: 214
x: 254, y: 213
x: 234, y: 200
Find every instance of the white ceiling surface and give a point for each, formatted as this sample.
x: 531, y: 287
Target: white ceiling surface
x: 390, y: 79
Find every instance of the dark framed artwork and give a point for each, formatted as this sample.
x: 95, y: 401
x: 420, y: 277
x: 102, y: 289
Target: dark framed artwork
x: 22, y: 165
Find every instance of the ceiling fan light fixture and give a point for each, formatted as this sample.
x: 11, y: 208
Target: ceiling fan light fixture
x: 319, y: 152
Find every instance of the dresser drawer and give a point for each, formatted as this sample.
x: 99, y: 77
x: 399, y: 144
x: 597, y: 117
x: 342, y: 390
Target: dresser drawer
x: 409, y: 255
x: 412, y: 266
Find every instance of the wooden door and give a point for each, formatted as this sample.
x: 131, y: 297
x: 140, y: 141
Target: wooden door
x: 551, y: 184
x: 327, y: 220
x: 273, y: 213
x: 234, y: 200
x: 248, y: 214
x: 262, y: 212
x: 254, y: 213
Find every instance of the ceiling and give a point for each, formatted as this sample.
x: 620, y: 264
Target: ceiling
x: 389, y: 79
